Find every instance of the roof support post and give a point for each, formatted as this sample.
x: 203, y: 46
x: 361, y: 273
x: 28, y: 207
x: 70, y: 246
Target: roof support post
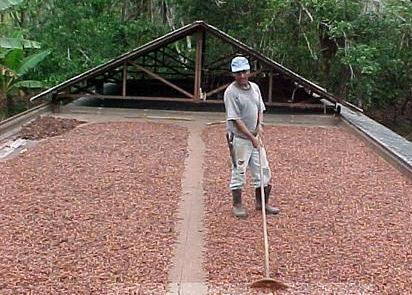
x: 198, y: 65
x: 124, y: 79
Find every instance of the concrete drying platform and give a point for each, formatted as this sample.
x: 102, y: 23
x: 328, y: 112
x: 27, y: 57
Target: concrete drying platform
x: 187, y: 273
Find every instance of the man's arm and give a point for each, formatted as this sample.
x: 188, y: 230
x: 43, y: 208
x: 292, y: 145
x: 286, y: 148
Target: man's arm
x: 259, y: 125
x: 261, y: 109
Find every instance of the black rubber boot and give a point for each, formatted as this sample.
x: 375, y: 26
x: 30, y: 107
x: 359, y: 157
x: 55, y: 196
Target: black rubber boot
x: 269, y: 209
x: 238, y: 210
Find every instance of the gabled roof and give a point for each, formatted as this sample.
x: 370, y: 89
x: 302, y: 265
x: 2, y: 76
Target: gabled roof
x: 198, y: 26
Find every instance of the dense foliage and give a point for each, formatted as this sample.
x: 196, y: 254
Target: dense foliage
x: 359, y: 50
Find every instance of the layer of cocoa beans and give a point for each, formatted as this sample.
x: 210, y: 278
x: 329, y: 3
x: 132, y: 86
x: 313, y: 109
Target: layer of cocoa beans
x: 47, y: 126
x: 92, y: 211
x: 345, y: 225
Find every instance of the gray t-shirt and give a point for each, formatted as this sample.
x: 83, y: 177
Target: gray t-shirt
x: 244, y: 105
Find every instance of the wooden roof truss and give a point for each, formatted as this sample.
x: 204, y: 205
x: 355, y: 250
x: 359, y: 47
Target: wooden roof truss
x: 189, y: 64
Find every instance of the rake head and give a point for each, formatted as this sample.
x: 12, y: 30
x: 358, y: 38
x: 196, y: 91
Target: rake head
x: 269, y: 283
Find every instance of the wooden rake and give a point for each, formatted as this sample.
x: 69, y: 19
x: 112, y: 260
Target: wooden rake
x: 266, y: 281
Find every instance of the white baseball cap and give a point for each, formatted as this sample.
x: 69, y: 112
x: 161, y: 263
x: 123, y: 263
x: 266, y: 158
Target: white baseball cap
x: 239, y: 63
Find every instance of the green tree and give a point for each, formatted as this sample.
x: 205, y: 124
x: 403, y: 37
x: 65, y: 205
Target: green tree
x: 90, y: 33
x: 16, y: 58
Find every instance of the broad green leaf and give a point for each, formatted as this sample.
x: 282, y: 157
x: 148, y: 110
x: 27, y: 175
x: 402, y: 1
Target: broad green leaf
x: 4, y: 52
x: 31, y: 62
x: 6, y: 4
x: 13, y: 59
x: 18, y: 43
x: 28, y: 84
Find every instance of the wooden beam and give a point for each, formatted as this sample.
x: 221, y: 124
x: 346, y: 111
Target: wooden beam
x: 217, y: 90
x: 198, y: 66
x: 220, y: 61
x: 223, y: 87
x: 173, y: 52
x: 120, y: 97
x: 124, y: 79
x: 185, y: 66
x: 164, y: 65
x: 150, y: 73
x: 187, y: 100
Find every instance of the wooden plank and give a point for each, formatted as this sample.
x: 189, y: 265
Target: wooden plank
x: 150, y: 73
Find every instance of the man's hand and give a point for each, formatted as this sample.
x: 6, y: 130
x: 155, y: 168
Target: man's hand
x: 254, y: 138
x: 256, y: 142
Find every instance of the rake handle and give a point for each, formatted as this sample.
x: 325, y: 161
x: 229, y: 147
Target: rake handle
x: 262, y: 197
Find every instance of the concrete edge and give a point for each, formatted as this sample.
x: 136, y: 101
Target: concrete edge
x: 384, y: 151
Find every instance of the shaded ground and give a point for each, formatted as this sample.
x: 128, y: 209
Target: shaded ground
x: 345, y: 225
x: 93, y: 211
x: 47, y: 126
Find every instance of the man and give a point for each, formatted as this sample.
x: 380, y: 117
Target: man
x: 244, y: 114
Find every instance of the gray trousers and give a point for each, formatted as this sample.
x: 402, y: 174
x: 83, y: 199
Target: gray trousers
x: 245, y: 155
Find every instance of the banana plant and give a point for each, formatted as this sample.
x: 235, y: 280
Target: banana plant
x: 13, y: 68
x: 7, y: 8
x: 6, y: 4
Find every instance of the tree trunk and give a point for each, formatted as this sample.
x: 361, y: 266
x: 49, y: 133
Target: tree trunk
x: 125, y: 10
x: 328, y: 51
x: 345, y: 75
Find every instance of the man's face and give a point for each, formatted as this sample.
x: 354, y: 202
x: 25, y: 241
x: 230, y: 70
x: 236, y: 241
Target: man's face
x: 242, y: 77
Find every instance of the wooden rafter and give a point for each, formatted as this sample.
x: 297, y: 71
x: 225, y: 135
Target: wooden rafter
x: 164, y: 65
x: 219, y: 62
x: 185, y: 66
x: 152, y: 51
x: 155, y: 76
x: 224, y: 86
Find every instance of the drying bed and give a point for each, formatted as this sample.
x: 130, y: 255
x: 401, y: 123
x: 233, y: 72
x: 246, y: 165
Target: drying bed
x: 47, y: 126
x: 92, y: 211
x: 345, y: 224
